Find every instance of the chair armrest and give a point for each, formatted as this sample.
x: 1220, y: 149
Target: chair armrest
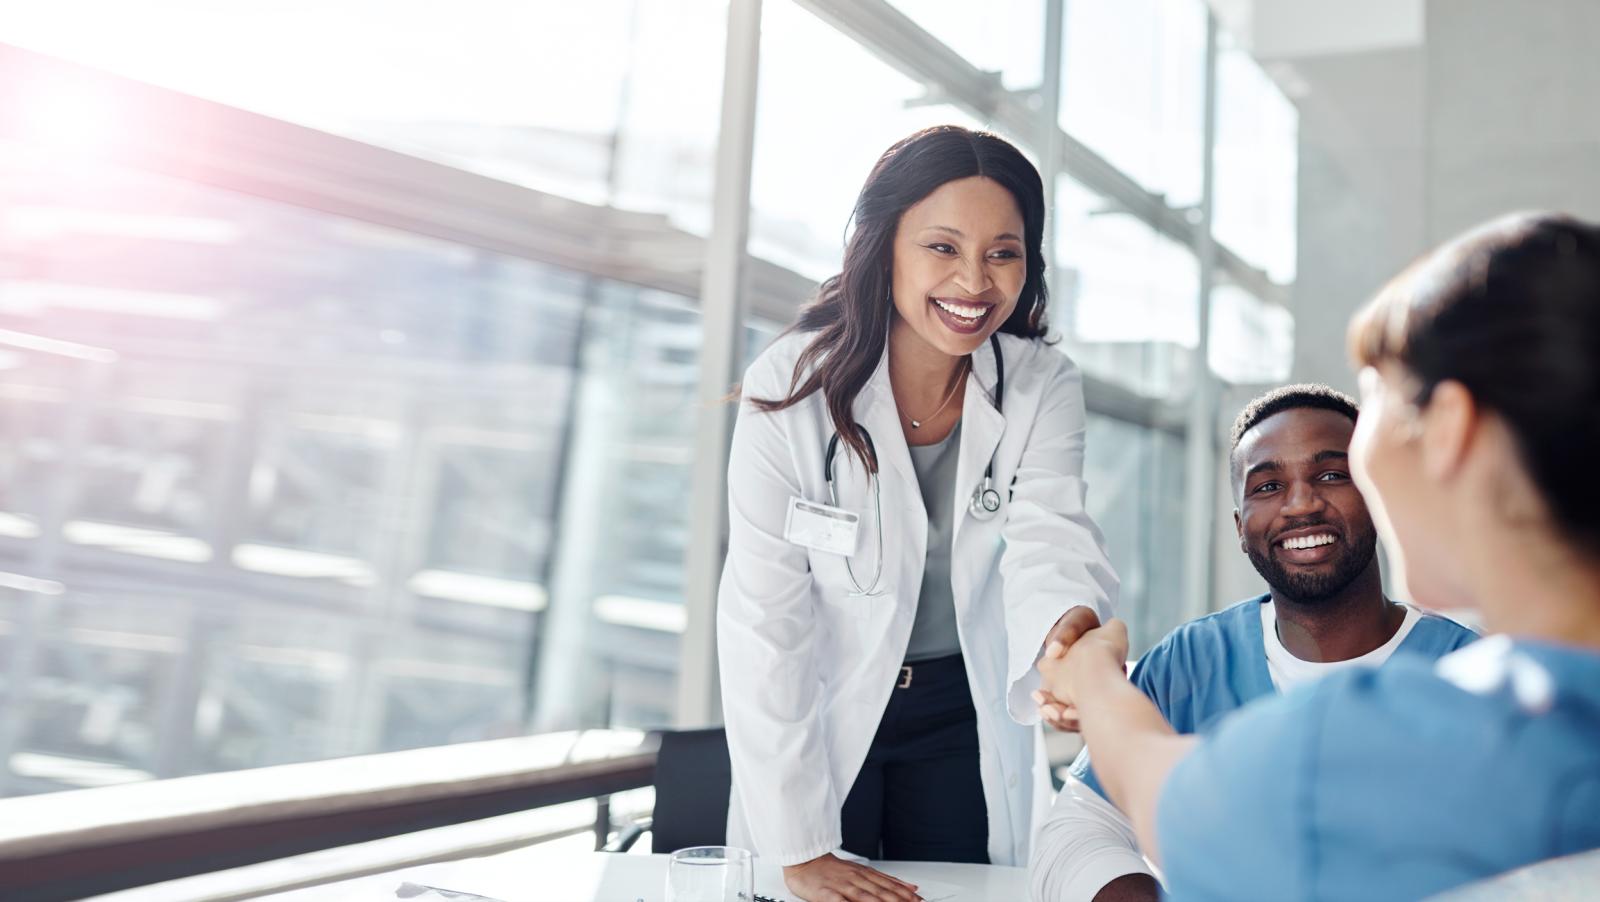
x: 628, y: 835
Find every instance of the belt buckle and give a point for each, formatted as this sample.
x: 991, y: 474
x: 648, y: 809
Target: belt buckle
x: 905, y: 678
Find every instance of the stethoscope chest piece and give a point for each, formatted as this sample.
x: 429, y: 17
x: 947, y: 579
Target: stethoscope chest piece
x: 985, y: 501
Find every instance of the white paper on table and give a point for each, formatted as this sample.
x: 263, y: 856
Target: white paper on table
x: 769, y: 883
x: 409, y: 890
x: 930, y: 890
x: 610, y: 877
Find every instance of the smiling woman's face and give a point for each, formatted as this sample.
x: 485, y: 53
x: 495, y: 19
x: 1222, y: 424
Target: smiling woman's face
x: 959, y: 264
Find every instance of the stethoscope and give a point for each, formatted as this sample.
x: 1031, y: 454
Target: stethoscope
x: 985, y: 502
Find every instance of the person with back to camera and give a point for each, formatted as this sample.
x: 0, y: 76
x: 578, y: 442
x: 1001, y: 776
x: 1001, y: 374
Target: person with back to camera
x: 1478, y: 449
x: 906, y: 534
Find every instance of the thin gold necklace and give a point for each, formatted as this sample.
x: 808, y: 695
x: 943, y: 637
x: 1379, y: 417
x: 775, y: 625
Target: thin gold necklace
x: 966, y: 365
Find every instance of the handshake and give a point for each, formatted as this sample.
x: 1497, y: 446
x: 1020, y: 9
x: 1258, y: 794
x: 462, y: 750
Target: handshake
x: 1076, y: 649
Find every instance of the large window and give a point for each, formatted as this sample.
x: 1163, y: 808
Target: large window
x: 367, y: 421
x: 254, y: 512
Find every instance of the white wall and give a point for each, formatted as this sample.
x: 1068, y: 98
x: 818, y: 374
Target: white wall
x: 1403, y: 147
x: 1513, y: 117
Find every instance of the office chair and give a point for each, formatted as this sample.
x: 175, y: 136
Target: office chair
x: 693, y: 779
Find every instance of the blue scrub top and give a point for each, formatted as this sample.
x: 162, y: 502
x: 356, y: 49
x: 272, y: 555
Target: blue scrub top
x: 1393, y: 783
x: 1214, y: 665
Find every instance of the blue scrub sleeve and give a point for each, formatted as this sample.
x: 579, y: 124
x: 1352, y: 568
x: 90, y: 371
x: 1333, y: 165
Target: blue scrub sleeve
x: 1234, y: 817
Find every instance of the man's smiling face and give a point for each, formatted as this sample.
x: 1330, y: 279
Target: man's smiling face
x: 1300, y: 518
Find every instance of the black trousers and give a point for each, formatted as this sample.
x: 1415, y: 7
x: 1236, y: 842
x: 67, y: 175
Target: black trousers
x: 918, y: 796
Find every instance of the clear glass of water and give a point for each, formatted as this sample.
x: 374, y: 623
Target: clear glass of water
x: 711, y: 874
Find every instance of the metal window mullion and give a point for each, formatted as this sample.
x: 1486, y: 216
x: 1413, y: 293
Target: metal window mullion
x: 1117, y: 401
x: 722, y: 323
x: 900, y: 42
x: 1201, y: 452
x: 1050, y: 109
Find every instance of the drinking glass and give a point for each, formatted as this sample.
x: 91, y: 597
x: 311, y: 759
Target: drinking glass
x: 711, y: 874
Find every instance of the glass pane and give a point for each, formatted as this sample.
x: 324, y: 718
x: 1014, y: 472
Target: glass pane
x: 1251, y: 341
x: 1135, y: 481
x: 807, y: 172
x: 1122, y: 295
x: 282, y: 486
x: 1133, y: 89
x: 611, y: 653
x: 1005, y: 36
x: 1257, y: 161
x: 605, y: 101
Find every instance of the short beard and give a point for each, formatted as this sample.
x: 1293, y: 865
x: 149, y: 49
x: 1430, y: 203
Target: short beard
x: 1315, y: 588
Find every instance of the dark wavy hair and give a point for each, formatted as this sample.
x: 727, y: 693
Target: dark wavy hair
x: 1511, y: 310
x: 852, y: 310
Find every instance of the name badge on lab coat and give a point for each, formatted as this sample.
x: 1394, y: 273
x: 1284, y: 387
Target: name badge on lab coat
x: 820, y: 527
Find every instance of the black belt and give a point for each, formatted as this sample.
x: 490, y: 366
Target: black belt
x: 944, y: 665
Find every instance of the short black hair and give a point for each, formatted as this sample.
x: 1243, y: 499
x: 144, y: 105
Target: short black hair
x: 1303, y: 395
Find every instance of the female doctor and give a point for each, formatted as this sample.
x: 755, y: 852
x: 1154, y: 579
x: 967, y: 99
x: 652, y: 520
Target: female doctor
x: 907, y: 529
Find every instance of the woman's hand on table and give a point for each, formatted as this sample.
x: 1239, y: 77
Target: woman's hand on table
x: 828, y: 878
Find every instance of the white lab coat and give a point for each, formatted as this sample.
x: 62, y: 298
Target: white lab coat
x: 807, y: 669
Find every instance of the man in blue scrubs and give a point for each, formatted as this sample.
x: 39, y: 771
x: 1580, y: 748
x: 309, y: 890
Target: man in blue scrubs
x: 1306, y: 530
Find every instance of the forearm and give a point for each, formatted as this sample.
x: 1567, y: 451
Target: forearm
x: 1134, y: 748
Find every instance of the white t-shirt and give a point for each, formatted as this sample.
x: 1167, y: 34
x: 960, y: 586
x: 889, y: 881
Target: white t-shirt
x: 1289, y: 671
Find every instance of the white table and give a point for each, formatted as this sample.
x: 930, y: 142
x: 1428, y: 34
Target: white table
x: 539, y: 874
